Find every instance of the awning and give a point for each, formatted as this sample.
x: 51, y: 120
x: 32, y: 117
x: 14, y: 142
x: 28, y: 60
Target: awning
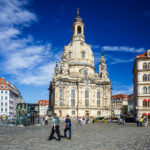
x: 144, y: 114
x: 144, y: 100
x: 149, y: 100
x: 148, y: 114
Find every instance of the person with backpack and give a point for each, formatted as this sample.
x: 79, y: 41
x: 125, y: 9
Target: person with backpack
x: 67, y: 126
x: 55, y: 128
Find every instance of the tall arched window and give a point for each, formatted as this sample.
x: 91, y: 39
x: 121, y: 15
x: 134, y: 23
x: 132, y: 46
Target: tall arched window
x: 144, y: 77
x: 72, y: 97
x: 98, y: 98
x: 79, y: 30
x: 60, y: 97
x: 86, y: 98
x: 148, y: 90
x: 144, y: 90
x: 144, y: 65
x: 149, y: 65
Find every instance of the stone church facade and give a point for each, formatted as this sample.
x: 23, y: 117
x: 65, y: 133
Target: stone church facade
x: 76, y: 89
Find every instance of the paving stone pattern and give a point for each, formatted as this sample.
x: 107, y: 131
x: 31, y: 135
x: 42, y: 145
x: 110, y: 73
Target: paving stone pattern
x: 88, y: 137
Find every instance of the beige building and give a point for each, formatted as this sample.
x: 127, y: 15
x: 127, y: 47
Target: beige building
x: 76, y: 89
x: 119, y: 104
x: 141, y: 80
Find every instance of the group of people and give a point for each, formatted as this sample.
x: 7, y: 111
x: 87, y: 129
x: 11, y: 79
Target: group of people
x: 55, y: 127
x: 122, y: 121
x: 83, y: 120
x: 44, y: 120
x: 142, y: 122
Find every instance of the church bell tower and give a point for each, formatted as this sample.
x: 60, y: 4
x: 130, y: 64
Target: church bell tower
x: 78, y: 28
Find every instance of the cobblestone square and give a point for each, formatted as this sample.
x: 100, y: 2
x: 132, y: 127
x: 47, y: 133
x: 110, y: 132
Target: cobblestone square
x: 88, y: 137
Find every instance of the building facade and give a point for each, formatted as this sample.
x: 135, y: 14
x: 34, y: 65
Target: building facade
x: 76, y: 89
x: 9, y: 98
x: 141, y: 81
x: 119, y: 104
x: 131, y: 105
x: 43, y: 107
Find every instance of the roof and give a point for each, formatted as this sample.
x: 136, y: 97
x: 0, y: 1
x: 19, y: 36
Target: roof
x: 142, y: 55
x: 43, y: 102
x: 119, y: 96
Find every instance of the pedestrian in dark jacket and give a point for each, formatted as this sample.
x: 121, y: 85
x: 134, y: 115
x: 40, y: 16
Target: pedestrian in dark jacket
x: 55, y: 128
x: 67, y: 127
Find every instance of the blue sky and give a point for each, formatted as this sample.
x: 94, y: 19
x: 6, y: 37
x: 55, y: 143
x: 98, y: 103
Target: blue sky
x: 34, y: 32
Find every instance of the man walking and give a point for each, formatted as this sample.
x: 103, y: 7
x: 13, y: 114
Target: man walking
x: 55, y: 128
x: 67, y: 126
x: 138, y: 121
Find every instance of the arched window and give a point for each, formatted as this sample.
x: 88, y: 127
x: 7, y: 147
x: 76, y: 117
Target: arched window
x: 98, y: 113
x: 79, y: 30
x: 148, y: 90
x: 144, y: 90
x: 86, y: 98
x: 144, y: 77
x: 72, y: 97
x: 60, y: 97
x: 149, y: 64
x: 144, y: 102
x: 144, y: 65
x: 83, y: 54
x: 98, y: 98
x: 148, y: 77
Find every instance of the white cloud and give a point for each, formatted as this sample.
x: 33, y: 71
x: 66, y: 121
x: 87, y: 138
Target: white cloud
x: 29, y: 61
x: 122, y: 89
x: 123, y: 49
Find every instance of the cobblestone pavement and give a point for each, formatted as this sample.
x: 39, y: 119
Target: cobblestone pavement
x: 88, y: 137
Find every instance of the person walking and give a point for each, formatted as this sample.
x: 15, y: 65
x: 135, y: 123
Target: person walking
x: 67, y: 126
x: 138, y: 121
x: 55, y: 128
x: 87, y: 119
x: 145, y: 121
x: 46, y: 120
x: 124, y: 121
x: 141, y: 121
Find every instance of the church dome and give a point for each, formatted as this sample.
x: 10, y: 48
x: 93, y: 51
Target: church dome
x: 78, y: 52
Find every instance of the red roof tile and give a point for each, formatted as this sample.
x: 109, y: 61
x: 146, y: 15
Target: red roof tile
x: 142, y: 55
x: 43, y: 102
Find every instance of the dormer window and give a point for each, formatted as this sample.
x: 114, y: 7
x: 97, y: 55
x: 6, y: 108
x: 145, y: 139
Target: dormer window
x: 85, y: 72
x: 83, y: 54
